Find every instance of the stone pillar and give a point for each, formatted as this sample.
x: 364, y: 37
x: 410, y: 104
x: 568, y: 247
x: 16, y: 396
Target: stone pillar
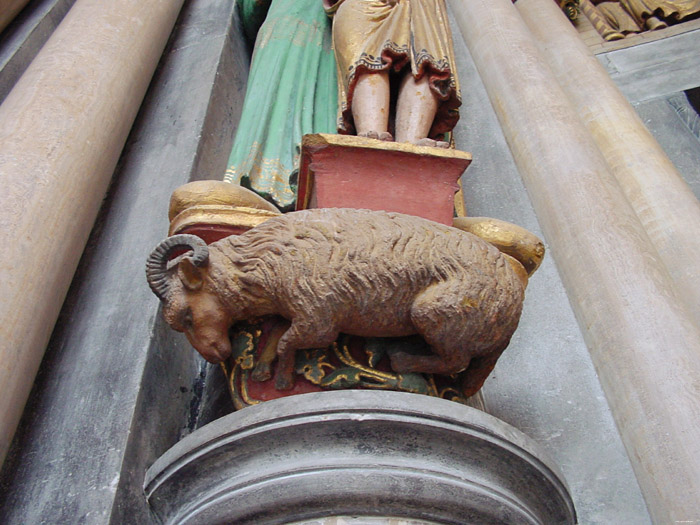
x: 62, y: 129
x: 9, y: 10
x: 665, y: 205
x: 642, y: 340
x: 24, y: 40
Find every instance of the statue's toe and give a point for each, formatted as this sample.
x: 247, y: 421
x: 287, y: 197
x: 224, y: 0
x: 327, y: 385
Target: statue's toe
x: 432, y: 143
x: 369, y: 134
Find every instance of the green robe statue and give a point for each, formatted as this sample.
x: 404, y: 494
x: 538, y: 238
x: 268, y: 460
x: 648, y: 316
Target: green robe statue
x: 292, y: 91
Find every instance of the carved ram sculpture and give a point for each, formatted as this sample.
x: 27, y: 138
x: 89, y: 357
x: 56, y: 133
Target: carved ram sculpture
x: 359, y: 272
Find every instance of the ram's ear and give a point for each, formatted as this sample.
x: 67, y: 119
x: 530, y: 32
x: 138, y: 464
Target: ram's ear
x: 191, y: 276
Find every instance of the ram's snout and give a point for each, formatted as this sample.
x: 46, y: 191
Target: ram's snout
x: 206, y: 326
x: 211, y: 345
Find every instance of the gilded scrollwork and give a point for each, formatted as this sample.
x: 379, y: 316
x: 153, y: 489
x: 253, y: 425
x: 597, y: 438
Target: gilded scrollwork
x: 348, y: 363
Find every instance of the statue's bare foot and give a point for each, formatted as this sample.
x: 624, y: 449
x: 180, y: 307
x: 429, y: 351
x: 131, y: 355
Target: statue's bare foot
x: 379, y: 135
x: 369, y: 134
x: 432, y: 143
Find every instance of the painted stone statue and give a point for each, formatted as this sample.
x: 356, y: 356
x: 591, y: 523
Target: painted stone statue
x: 234, y: 316
x: 291, y: 92
x: 327, y: 271
x: 650, y: 13
x: 293, y: 89
x: 615, y: 19
x: 408, y: 43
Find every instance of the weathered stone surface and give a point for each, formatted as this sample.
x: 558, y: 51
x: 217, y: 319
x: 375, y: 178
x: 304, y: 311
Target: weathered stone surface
x: 611, y: 270
x: 664, y: 204
x: 656, y: 68
x: 358, y: 453
x: 672, y: 120
x: 8, y: 10
x: 106, y: 405
x: 362, y: 520
x: 22, y: 40
x: 561, y: 404
x: 62, y: 129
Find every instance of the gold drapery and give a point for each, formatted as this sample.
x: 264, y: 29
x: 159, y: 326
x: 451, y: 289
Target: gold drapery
x: 376, y: 35
x: 668, y: 10
x: 619, y: 18
x: 635, y: 16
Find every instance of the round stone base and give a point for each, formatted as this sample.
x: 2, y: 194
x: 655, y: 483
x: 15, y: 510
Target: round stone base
x: 358, y: 453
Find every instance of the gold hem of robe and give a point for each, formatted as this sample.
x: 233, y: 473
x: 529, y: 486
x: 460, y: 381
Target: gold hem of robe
x: 372, y: 36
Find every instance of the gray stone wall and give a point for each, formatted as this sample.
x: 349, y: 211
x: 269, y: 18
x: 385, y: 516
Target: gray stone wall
x: 655, y: 77
x: 117, y: 387
x: 676, y: 126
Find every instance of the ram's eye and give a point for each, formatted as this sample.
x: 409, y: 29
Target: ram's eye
x: 187, y: 319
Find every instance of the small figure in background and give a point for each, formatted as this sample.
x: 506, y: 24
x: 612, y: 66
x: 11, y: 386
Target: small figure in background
x: 616, y: 19
x: 657, y: 14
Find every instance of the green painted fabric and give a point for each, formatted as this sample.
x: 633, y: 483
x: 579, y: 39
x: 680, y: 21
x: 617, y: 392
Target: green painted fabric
x: 252, y: 13
x: 292, y: 90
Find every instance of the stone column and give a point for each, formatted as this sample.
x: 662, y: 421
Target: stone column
x: 643, y: 342
x: 665, y: 205
x: 9, y: 10
x: 62, y: 129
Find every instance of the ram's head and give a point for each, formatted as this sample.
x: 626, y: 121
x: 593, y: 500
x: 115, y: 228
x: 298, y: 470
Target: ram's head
x: 191, y: 303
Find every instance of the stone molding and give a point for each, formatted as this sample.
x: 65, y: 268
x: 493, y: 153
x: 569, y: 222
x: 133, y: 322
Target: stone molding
x: 357, y: 453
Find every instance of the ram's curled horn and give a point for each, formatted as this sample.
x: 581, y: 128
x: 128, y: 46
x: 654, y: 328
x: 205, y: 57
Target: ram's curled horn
x: 157, y: 263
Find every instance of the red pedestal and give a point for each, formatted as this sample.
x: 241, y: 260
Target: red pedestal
x: 340, y: 171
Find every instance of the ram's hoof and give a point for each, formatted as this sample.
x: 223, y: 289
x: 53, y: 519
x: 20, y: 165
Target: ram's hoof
x: 284, y: 383
x: 261, y: 372
x: 402, y: 363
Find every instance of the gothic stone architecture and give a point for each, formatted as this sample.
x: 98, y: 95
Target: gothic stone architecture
x: 593, y: 144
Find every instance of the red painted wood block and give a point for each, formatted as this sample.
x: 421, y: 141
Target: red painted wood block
x: 342, y: 171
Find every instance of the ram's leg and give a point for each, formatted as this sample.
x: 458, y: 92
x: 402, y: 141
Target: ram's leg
x: 262, y: 370
x: 450, y: 362
x: 476, y: 373
x: 433, y: 315
x: 297, y: 337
